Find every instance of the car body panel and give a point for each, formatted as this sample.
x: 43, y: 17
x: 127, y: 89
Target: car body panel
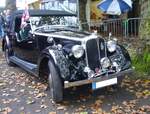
x: 56, y: 42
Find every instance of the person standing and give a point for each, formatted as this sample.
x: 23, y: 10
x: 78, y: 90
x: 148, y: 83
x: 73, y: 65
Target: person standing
x: 7, y: 19
x: 1, y: 26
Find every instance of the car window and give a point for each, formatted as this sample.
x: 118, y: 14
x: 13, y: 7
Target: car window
x: 24, y: 31
x: 21, y: 32
x: 53, y: 20
x: 43, y: 24
x: 17, y: 24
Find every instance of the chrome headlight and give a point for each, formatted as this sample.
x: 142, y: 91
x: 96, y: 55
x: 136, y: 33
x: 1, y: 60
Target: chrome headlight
x: 105, y: 62
x: 118, y: 67
x: 111, y: 45
x: 77, y: 51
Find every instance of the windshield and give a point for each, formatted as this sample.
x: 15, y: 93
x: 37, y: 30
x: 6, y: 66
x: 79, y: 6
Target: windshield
x: 42, y: 22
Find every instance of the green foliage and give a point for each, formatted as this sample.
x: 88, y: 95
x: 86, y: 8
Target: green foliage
x: 142, y: 62
x: 145, y: 29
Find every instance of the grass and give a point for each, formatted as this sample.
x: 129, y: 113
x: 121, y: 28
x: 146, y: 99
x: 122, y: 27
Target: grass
x: 142, y: 63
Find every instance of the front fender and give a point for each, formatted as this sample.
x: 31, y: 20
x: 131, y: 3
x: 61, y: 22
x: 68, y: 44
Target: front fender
x: 59, y: 60
x: 128, y: 62
x: 125, y: 53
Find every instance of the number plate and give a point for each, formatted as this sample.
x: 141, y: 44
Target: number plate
x: 96, y: 85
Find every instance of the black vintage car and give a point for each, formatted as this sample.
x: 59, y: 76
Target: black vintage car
x: 54, y: 48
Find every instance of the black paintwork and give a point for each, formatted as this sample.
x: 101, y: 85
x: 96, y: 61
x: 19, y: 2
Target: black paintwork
x: 34, y: 51
x: 39, y: 12
x: 32, y: 68
x: 93, y: 60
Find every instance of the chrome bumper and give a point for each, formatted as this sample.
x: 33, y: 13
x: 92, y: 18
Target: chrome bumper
x: 98, y: 79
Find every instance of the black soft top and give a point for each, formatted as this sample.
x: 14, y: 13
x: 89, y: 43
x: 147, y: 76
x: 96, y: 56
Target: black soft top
x: 35, y: 13
x: 19, y: 13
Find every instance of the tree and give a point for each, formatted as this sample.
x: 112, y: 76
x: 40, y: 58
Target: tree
x: 141, y: 61
x: 11, y: 5
x: 82, y: 14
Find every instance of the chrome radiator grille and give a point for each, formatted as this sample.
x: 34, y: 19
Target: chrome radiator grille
x: 96, y: 50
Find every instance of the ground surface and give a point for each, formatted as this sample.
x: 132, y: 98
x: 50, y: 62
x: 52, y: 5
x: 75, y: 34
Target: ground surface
x: 22, y: 93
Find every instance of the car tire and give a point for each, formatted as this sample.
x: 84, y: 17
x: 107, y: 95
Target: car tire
x: 55, y: 83
x: 8, y: 55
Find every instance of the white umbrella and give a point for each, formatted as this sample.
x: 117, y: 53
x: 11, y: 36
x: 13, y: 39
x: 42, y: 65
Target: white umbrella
x: 115, y: 7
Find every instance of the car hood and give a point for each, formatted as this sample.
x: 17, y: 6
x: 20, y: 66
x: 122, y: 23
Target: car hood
x: 70, y: 34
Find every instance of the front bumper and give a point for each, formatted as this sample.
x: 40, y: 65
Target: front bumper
x: 98, y: 79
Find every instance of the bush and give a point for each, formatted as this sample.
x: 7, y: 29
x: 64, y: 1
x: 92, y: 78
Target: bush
x: 141, y: 62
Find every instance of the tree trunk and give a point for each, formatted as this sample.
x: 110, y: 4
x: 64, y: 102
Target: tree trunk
x: 11, y: 5
x: 136, y: 9
x: 82, y: 14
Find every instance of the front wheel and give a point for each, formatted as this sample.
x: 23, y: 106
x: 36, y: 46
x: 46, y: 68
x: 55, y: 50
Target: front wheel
x: 55, y: 83
x: 7, y: 56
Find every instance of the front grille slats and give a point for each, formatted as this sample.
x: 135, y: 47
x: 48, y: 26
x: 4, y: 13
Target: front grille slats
x: 95, y: 49
x: 102, y: 48
x: 92, y: 54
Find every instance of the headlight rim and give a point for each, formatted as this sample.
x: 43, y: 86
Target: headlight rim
x: 103, y: 60
x: 76, y: 49
x: 111, y: 45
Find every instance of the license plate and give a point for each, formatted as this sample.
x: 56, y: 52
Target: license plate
x: 96, y: 85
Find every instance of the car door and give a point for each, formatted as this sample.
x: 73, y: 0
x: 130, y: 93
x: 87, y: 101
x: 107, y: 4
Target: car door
x: 28, y: 49
x: 24, y: 48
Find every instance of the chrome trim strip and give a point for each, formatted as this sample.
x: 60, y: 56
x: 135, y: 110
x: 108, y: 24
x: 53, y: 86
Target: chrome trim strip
x: 99, y: 53
x: 58, y: 36
x: 53, y: 55
x: 86, y: 57
x: 85, y: 39
x: 105, y: 43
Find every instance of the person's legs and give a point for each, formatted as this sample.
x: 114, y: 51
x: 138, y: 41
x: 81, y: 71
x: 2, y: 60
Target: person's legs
x: 0, y: 32
x: 3, y: 32
x: 0, y: 43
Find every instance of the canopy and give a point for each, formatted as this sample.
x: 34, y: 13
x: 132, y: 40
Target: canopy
x: 115, y: 7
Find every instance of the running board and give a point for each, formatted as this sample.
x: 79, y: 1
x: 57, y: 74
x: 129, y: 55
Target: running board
x: 29, y: 67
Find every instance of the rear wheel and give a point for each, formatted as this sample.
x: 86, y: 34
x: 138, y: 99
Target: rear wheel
x: 8, y: 55
x: 55, y: 83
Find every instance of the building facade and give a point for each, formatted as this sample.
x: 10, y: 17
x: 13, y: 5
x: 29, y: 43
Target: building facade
x: 92, y: 12
x: 66, y: 5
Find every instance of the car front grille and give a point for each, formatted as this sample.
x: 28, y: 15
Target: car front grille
x: 95, y: 49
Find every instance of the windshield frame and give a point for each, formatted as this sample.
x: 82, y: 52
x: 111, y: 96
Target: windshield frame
x: 53, y: 22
